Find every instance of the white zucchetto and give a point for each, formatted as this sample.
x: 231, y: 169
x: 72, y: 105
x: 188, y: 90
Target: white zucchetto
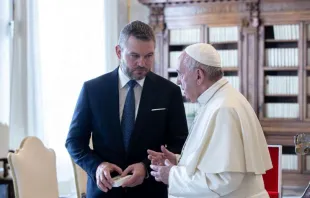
x: 204, y: 53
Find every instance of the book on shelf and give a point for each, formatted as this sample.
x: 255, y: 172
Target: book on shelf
x: 308, y: 85
x: 308, y: 32
x: 173, y: 59
x: 289, y: 162
x: 281, y: 110
x: 229, y: 58
x: 286, y: 32
x: 289, y: 85
x: 234, y: 81
x: 281, y: 57
x: 184, y: 36
x: 308, y: 55
x: 223, y: 34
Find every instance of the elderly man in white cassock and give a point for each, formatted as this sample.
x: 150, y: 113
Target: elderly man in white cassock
x: 225, y: 154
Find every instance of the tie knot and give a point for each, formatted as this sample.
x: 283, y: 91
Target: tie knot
x: 132, y: 83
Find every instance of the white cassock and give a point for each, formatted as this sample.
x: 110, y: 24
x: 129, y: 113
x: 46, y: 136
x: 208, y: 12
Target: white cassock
x: 225, y: 153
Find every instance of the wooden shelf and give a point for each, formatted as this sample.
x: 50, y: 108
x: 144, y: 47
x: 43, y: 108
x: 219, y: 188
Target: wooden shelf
x: 224, y: 42
x: 180, y: 44
x: 230, y: 69
x: 280, y: 41
x: 266, y: 68
x: 281, y: 95
x: 278, y: 119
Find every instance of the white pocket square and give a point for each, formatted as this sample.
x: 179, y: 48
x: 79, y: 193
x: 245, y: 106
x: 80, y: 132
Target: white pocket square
x: 159, y: 109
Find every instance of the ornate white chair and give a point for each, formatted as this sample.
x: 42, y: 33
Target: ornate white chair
x: 4, y: 148
x: 81, y: 177
x: 34, y: 170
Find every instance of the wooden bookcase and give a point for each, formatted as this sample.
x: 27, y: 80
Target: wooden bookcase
x: 270, y: 52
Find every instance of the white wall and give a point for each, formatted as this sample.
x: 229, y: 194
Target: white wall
x: 121, y: 12
x: 138, y: 11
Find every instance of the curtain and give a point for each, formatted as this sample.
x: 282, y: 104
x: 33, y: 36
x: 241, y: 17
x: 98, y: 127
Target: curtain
x: 5, y: 56
x: 111, y: 22
x: 57, y: 46
x: 25, y: 97
x: 72, y: 51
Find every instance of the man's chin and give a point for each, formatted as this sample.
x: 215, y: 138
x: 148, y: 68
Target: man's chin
x: 139, y: 75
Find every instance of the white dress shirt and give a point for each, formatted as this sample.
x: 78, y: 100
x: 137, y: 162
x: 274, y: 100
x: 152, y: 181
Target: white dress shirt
x: 123, y: 89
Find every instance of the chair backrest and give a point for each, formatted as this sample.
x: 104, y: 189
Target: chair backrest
x: 4, y: 140
x: 80, y: 180
x: 34, y: 170
x: 81, y: 176
x: 273, y: 177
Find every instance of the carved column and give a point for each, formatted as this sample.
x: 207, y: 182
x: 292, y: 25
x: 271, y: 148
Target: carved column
x: 156, y: 21
x: 249, y: 36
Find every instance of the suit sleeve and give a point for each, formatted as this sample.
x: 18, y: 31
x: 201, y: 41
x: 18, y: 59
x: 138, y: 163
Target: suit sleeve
x: 77, y: 142
x: 177, y: 130
x: 201, y: 184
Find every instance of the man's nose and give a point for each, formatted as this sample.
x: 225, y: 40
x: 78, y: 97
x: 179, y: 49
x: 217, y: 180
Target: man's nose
x: 142, y: 61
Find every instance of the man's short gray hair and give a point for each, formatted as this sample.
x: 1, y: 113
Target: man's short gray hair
x: 139, y: 30
x: 213, y: 73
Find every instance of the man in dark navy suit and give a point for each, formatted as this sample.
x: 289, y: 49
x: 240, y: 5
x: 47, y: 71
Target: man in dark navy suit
x: 127, y: 112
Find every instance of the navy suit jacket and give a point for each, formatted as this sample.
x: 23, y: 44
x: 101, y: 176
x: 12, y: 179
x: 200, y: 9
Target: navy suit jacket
x: 97, y: 112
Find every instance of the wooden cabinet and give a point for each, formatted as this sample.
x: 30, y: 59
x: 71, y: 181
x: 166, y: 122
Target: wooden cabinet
x: 265, y: 50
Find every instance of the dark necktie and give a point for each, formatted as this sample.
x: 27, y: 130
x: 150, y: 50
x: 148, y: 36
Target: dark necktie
x: 128, y: 117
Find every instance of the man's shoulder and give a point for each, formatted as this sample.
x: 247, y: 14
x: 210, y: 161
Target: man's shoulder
x: 162, y: 82
x: 100, y: 80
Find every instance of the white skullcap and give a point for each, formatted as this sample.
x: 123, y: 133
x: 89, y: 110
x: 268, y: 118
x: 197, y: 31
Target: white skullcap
x: 204, y: 53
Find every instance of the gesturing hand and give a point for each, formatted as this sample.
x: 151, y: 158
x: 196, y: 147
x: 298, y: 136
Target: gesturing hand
x: 103, y: 175
x: 138, y: 174
x: 161, y: 173
x: 158, y: 158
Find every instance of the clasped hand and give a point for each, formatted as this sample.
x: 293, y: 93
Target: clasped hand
x: 161, y: 163
x: 105, y: 182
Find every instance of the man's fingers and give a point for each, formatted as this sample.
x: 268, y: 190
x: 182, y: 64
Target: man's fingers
x: 151, y: 152
x: 104, y: 180
x: 107, y: 175
x: 131, y: 181
x: 155, y: 168
x: 165, y: 151
x: 101, y: 186
x: 155, y: 174
x: 117, y: 169
x: 127, y: 170
x: 101, y: 183
x: 158, y: 179
x: 167, y: 162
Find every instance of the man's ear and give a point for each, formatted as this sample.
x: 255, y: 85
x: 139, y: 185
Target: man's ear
x: 200, y: 76
x: 118, y: 51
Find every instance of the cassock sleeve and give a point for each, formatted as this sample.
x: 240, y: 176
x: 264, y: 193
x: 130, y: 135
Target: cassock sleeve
x: 202, y: 184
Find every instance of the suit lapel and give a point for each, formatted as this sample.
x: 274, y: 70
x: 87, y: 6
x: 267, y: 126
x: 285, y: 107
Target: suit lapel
x: 145, y: 108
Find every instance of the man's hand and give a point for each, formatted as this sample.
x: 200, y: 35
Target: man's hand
x: 161, y: 173
x: 158, y: 158
x: 103, y: 175
x: 138, y: 174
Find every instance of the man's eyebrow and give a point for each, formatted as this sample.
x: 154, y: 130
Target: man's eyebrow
x: 134, y: 53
